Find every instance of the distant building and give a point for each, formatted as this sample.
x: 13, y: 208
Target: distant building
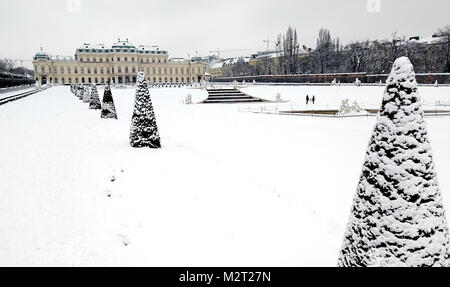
x: 117, y: 64
x: 225, y: 67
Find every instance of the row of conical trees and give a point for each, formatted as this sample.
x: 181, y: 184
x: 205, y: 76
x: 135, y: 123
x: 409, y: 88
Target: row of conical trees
x: 398, y: 216
x: 89, y: 94
x: 144, y: 130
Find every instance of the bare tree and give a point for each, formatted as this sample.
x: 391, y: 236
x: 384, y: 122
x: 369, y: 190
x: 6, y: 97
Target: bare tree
x: 445, y: 34
x: 290, y: 49
x: 324, y: 48
x: 357, y: 53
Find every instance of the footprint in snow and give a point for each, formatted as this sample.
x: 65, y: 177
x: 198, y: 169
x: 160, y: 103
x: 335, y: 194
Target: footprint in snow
x: 124, y: 239
x: 108, y: 193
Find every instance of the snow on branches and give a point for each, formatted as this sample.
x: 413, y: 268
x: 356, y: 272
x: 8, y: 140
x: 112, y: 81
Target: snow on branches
x: 398, y: 217
x: 144, y: 131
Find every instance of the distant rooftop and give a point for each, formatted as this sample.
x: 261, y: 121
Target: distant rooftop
x: 123, y: 46
x: 41, y: 55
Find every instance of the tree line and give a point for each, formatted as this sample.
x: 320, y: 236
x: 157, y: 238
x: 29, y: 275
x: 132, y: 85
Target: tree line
x: 331, y: 56
x: 9, y: 66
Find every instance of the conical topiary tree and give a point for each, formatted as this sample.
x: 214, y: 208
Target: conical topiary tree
x: 398, y: 217
x: 108, y: 107
x: 80, y: 92
x: 86, y: 94
x: 94, y: 103
x: 144, y: 131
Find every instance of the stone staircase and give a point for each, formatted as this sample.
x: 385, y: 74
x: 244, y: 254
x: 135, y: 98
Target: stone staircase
x: 229, y: 96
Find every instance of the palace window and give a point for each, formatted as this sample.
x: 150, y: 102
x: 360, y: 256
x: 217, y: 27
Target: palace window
x: 82, y: 71
x: 70, y: 80
x: 134, y: 70
x: 154, y: 71
x: 101, y: 71
x: 170, y: 71
x: 154, y: 80
x: 159, y: 60
x: 159, y: 71
x: 153, y: 60
x: 75, y: 70
x: 126, y: 69
x: 118, y: 59
x: 132, y: 59
x: 126, y: 59
x: 68, y: 70
x: 42, y: 69
x: 119, y: 70
x: 89, y: 71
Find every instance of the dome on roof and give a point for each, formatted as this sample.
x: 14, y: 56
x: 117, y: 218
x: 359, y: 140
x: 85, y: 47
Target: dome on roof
x: 123, y: 44
x: 41, y: 55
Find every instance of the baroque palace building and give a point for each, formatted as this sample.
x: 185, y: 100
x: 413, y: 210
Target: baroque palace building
x: 118, y: 64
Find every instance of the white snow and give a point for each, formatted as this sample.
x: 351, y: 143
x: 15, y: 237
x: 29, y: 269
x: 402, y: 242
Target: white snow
x: 226, y: 189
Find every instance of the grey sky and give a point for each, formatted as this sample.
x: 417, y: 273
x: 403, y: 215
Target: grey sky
x: 187, y: 26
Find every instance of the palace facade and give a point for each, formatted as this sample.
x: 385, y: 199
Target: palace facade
x: 118, y: 64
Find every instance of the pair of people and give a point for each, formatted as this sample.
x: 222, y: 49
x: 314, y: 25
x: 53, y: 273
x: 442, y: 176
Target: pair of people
x: 313, y: 99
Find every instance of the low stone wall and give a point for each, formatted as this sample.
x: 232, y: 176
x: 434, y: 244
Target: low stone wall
x: 328, y: 78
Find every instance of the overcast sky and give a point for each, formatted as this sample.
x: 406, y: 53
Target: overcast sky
x: 185, y: 26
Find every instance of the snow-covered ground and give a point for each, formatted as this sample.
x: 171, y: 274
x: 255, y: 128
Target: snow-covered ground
x: 227, y: 189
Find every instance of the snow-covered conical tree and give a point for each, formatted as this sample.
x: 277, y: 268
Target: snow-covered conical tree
x: 398, y: 217
x: 79, y: 92
x: 86, y: 94
x: 144, y: 131
x: 94, y: 103
x: 108, y: 107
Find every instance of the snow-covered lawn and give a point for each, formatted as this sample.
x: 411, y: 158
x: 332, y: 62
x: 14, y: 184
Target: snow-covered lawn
x: 227, y: 188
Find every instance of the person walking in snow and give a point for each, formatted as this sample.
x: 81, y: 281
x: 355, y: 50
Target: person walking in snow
x: 307, y: 99
x: 313, y: 99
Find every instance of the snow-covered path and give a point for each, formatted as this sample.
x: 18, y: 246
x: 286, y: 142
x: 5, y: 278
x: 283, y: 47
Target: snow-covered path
x: 227, y: 188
